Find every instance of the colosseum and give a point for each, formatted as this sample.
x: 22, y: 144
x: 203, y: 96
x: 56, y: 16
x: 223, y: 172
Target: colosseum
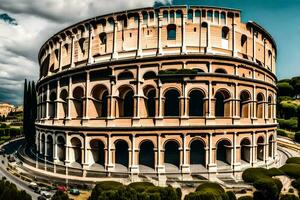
x: 181, y: 90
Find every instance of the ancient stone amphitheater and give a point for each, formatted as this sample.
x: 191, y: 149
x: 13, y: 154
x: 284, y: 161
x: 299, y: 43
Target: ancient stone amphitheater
x: 186, y: 91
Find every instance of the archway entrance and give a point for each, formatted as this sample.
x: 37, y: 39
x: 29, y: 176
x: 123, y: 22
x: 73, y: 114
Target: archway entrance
x: 260, y: 148
x: 98, y: 154
x: 122, y: 158
x: 61, y: 148
x: 224, y: 153
x: 146, y: 156
x: 197, y: 155
x: 245, y: 150
x: 172, y: 156
x: 75, y: 152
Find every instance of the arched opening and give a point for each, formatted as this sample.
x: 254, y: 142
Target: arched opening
x: 225, y: 37
x: 171, y: 107
x: 165, y: 14
x: 271, y: 146
x: 121, y: 155
x: 223, y: 153
x: 61, y: 150
x: 42, y: 144
x: 146, y: 156
x: 125, y: 75
x: 190, y: 14
x: 149, y: 75
x: 196, y: 100
x: 172, y: 156
x: 270, y: 107
x: 99, y: 94
x: 220, y: 71
x: 63, y: 96
x: 260, y: 148
x: 244, y: 104
x: 197, y: 153
x: 244, y: 44
x: 245, y: 150
x: 78, y: 94
x: 151, y: 95
x: 126, y: 102
x: 52, y: 109
x: 50, y: 147
x: 98, y: 154
x: 259, y: 105
x: 75, y: 152
x: 171, y: 30
x: 222, y: 104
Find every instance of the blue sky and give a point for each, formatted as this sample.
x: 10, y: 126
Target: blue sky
x: 279, y: 17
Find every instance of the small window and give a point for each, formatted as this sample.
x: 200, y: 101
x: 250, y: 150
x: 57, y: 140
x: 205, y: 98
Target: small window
x: 209, y: 15
x: 220, y: 71
x: 225, y: 31
x: 172, y: 15
x: 130, y: 34
x: 178, y: 14
x: 171, y: 32
x: 103, y: 38
x: 125, y: 75
x: 165, y: 14
x: 195, y: 29
x: 145, y: 17
x: 197, y: 13
x: 190, y: 14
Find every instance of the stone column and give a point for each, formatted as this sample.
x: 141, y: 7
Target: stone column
x: 139, y: 40
x: 208, y: 36
x: 236, y: 165
x: 183, y: 40
x: 115, y: 53
x: 210, y: 114
x: 254, y: 149
x: 134, y: 167
x: 86, y: 99
x: 85, y: 154
x: 111, y: 105
x: 72, y: 64
x: 253, y: 45
x: 57, y: 101
x: 60, y: 56
x: 159, y: 43
x: 90, y: 54
x: 266, y: 148
x: 67, y: 146
x: 254, y: 105
x: 69, y: 99
x: 185, y: 167
x: 109, y: 165
x: 55, y: 159
x: 234, y: 50
x: 212, y: 167
x: 267, y: 105
x: 160, y: 168
x: 47, y: 101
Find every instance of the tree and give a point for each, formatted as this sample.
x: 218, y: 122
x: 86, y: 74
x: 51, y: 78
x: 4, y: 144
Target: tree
x: 60, y: 195
x: 285, y: 89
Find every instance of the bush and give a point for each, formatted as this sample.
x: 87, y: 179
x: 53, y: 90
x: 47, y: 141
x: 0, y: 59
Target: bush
x: 291, y: 169
x: 140, y: 186
x: 275, y: 172
x: 282, y: 132
x: 295, y: 160
x: 289, y: 124
x: 278, y: 184
x: 266, y: 189
x: 297, y: 136
x: 289, y: 197
x: 60, y: 195
x: 231, y: 195
x: 208, y: 190
x: 104, y: 186
x: 250, y: 175
x: 246, y: 198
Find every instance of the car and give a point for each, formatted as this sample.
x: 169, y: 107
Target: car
x: 33, y: 185
x: 11, y: 159
x: 61, y: 188
x: 74, y: 191
x: 37, y: 190
x: 46, y: 194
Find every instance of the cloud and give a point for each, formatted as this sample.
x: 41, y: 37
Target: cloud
x: 37, y: 21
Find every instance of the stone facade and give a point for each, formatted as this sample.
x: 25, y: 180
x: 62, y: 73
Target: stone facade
x: 184, y: 90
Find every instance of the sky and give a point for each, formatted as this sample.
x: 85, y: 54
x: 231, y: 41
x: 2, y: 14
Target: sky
x: 40, y: 19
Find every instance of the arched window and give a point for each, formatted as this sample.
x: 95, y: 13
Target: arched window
x: 197, y: 153
x: 98, y: 153
x: 128, y: 104
x: 222, y: 105
x: 121, y: 155
x: 197, y: 13
x: 99, y: 102
x: 103, y: 37
x: 63, y: 96
x: 196, y: 103
x: 172, y: 103
x: 171, y: 28
x: 75, y: 152
x: 165, y: 15
x: 178, y: 14
x: 260, y: 148
x: 61, y: 148
x: 225, y: 31
x: 216, y: 16
x: 146, y: 155
x: 223, y: 18
x: 245, y: 150
x: 223, y: 152
x: 172, y: 155
x: 210, y: 15
x: 125, y: 75
x: 259, y: 105
x: 151, y: 103
x: 270, y: 107
x: 149, y: 75
x: 190, y: 14
x: 220, y: 71
x: 145, y: 17
x: 78, y: 94
x: 172, y: 14
x: 244, y: 43
x: 52, y: 109
x: 244, y: 104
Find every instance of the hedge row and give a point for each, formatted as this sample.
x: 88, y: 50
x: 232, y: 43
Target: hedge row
x: 110, y: 190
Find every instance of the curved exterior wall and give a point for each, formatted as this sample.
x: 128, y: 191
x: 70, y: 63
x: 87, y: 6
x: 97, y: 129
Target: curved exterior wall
x: 167, y: 90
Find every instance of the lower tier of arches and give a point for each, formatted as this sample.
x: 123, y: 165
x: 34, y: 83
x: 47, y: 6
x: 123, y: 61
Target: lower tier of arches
x: 159, y: 152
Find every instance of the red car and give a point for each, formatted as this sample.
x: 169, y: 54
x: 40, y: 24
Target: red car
x: 61, y: 188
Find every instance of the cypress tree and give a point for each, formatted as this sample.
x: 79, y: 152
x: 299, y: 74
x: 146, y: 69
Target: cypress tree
x: 25, y: 124
x: 298, y: 117
x: 33, y: 111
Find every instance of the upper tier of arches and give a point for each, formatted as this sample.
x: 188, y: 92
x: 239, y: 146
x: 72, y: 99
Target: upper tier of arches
x: 162, y: 31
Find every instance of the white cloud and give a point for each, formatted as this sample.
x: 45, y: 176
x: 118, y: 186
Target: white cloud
x: 37, y: 21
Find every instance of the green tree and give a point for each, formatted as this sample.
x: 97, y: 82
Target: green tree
x: 60, y: 195
x: 285, y: 89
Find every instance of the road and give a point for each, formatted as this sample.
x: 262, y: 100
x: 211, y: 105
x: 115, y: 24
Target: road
x: 21, y: 185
